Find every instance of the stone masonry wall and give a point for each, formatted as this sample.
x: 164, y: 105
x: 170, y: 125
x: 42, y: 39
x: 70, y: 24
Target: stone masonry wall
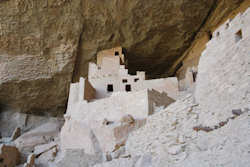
x: 223, y: 81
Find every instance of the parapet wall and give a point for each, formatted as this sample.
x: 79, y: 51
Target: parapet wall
x: 167, y: 85
x: 113, y: 108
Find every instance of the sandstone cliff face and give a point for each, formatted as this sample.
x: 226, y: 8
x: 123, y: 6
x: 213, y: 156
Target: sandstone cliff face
x: 38, y: 43
x: 43, y: 42
x: 154, y: 33
x: 222, y: 11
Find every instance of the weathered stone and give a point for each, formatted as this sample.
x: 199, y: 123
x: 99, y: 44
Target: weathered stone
x: 127, y: 119
x: 16, y: 133
x: 40, y: 135
x: 174, y: 150
x: 38, y: 47
x: 11, y: 119
x: 96, y: 138
x: 237, y: 112
x: 144, y: 161
x: 30, y: 161
x: 9, y: 156
x: 47, y: 158
x: 118, y: 153
x: 219, y: 13
x: 76, y: 158
x: 160, y: 135
x: 122, y: 162
x: 44, y: 148
x: 147, y: 29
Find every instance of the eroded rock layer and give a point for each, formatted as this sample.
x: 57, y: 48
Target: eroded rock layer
x: 154, y: 33
x: 38, y: 43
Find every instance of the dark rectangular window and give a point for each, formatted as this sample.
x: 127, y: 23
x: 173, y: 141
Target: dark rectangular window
x: 110, y: 88
x: 136, y: 79
x: 128, y: 88
x: 116, y: 53
x: 238, y: 36
x: 124, y: 81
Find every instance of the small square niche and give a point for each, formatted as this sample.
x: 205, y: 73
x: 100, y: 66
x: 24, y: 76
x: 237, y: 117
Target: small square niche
x: 238, y: 36
x: 110, y: 88
x: 124, y: 81
x: 116, y: 53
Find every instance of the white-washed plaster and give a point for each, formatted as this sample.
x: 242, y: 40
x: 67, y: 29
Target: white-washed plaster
x: 223, y: 80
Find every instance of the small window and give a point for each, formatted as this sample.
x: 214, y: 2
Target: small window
x: 116, y: 53
x: 194, y: 75
x: 227, y: 25
x: 136, y: 79
x: 128, y: 88
x: 124, y: 81
x: 110, y: 88
x: 218, y: 34
x: 123, y: 51
x: 238, y: 36
x: 210, y: 35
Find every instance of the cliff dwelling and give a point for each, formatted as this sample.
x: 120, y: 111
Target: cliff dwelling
x: 160, y: 83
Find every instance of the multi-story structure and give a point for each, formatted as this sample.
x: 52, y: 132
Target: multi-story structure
x: 98, y: 104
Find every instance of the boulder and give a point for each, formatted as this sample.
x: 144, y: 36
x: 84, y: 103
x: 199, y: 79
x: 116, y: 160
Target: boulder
x: 9, y: 156
x: 47, y: 158
x: 40, y: 135
x: 11, y: 119
x: 16, y: 134
x: 40, y: 149
x: 30, y: 161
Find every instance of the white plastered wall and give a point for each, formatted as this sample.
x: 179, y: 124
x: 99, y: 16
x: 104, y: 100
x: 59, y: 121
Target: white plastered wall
x: 167, y: 85
x: 111, y: 72
x: 223, y: 81
x: 84, y: 126
x: 113, y: 108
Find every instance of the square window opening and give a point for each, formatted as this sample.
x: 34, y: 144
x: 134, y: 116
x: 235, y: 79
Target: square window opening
x: 124, y: 81
x: 238, y: 36
x: 218, y: 34
x: 116, y: 53
x: 110, y: 88
x: 128, y: 88
x: 136, y: 79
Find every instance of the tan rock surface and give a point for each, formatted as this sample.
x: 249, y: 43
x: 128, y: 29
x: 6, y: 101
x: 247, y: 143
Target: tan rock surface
x: 154, y: 33
x: 38, y: 43
x: 222, y: 11
x: 9, y: 156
